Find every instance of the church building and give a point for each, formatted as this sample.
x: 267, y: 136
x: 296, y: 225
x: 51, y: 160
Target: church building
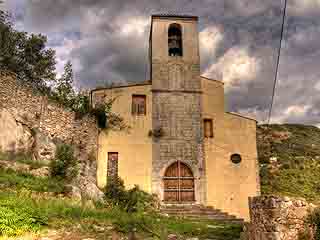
x: 181, y: 144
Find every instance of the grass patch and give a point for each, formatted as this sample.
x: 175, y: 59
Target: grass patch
x: 21, y: 213
x: 18, y: 180
x: 25, y: 158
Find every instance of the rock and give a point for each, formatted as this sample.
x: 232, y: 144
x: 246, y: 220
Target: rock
x: 14, y: 136
x: 132, y: 236
x: 98, y: 228
x: 89, y: 204
x: 89, y: 189
x: 73, y: 192
x: 172, y: 237
x: 40, y: 172
x: 109, y: 228
x: 115, y: 235
x: 44, y: 148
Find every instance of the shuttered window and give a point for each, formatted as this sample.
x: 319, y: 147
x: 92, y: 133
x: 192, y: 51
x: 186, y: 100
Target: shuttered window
x: 208, y: 128
x: 139, y: 105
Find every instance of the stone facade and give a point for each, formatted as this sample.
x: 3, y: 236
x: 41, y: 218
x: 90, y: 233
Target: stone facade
x: 46, y: 122
x: 277, y: 218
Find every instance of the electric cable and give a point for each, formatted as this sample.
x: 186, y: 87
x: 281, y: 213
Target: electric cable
x: 278, y: 61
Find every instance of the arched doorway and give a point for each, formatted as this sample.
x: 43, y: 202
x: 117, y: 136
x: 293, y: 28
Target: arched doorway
x: 178, y: 183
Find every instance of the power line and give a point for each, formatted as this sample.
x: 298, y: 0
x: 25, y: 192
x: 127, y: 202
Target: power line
x: 278, y: 60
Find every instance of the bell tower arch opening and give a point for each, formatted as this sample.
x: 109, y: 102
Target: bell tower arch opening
x: 175, y: 40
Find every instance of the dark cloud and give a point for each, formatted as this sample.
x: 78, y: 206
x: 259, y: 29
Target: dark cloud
x: 108, y: 42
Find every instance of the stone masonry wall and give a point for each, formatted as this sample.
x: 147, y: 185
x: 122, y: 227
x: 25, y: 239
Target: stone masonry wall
x: 177, y: 106
x: 277, y: 218
x: 50, y: 120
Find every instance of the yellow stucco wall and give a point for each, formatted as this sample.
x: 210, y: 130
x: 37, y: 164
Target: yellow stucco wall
x: 133, y: 146
x: 229, y: 185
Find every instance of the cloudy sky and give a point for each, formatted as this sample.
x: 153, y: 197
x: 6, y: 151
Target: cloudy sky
x: 107, y: 41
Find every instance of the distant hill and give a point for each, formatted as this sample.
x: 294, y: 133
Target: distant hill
x: 289, y: 156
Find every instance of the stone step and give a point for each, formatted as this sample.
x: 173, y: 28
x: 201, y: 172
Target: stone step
x: 204, y: 211
x: 199, y: 212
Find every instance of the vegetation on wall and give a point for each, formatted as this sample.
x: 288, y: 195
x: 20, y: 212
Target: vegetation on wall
x: 156, y: 133
x: 64, y: 166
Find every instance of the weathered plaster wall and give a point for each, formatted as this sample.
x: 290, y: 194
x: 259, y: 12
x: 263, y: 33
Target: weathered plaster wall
x: 133, y: 146
x: 229, y: 185
x: 277, y: 218
x: 35, y: 112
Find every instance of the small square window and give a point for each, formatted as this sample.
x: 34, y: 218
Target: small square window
x: 139, y: 105
x: 208, y: 128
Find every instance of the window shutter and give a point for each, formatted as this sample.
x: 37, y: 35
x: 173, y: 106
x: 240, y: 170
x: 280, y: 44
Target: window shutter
x: 208, y: 128
x: 139, y: 104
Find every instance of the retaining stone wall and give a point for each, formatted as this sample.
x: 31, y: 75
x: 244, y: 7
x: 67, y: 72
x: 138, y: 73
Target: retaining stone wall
x: 277, y: 218
x: 51, y: 119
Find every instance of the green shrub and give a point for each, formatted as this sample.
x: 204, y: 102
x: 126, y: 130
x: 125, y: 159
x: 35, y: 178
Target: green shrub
x: 314, y: 220
x: 65, y: 165
x: 132, y: 201
x: 115, y: 191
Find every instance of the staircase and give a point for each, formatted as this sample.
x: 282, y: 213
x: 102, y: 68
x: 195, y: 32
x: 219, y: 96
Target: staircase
x: 193, y: 211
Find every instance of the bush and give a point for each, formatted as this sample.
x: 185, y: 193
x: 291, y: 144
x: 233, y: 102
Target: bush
x: 314, y: 220
x: 132, y: 201
x: 115, y: 191
x: 65, y: 165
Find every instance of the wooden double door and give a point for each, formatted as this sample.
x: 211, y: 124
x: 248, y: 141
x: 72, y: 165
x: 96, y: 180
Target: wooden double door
x: 178, y: 183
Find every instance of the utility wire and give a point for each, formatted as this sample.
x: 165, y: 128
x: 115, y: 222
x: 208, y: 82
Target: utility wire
x: 278, y: 60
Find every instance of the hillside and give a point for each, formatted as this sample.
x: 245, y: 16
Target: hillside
x: 289, y: 156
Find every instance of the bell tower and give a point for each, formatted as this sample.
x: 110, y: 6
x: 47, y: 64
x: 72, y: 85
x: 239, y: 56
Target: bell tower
x: 174, y: 52
x: 177, y: 107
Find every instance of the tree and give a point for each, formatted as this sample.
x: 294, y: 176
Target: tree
x: 64, y: 89
x: 26, y: 55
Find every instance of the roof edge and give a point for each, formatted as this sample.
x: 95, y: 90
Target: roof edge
x: 179, y: 16
x: 211, y: 79
x: 123, y: 86
x: 239, y: 115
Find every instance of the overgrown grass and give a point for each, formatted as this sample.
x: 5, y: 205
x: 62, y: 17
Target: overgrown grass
x: 20, y: 213
x: 25, y: 158
x: 17, y: 180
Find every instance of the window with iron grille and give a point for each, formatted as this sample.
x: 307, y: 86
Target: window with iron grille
x: 139, y: 105
x: 112, y: 169
x: 208, y: 128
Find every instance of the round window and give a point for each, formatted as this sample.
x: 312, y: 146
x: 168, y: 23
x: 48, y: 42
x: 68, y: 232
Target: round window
x: 236, y: 158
